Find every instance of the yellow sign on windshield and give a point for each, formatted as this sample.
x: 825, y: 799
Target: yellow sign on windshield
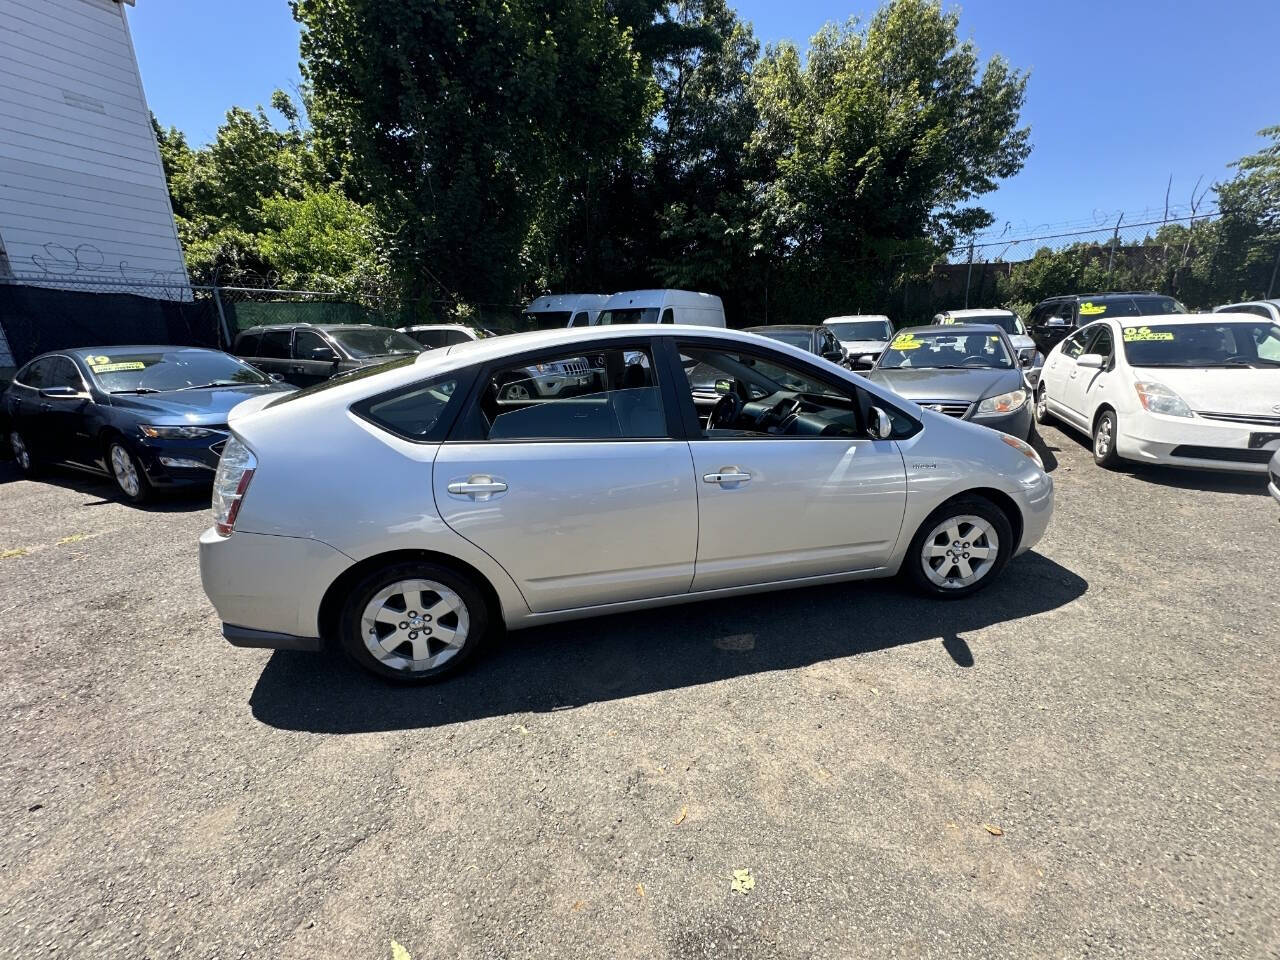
x: 1090, y: 309
x: 906, y: 341
x: 117, y: 367
x: 1143, y: 334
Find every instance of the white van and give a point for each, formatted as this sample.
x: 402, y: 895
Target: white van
x: 663, y: 306
x: 563, y: 310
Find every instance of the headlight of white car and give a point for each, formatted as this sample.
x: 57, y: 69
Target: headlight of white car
x: 1004, y: 403
x: 176, y: 433
x: 1157, y: 398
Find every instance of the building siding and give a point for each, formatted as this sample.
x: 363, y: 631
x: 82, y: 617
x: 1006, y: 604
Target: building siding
x: 82, y: 190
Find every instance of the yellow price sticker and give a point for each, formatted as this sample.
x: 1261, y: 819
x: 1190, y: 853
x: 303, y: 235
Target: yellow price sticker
x: 1145, y: 334
x: 906, y: 341
x: 1090, y: 309
x: 117, y: 367
x: 97, y: 361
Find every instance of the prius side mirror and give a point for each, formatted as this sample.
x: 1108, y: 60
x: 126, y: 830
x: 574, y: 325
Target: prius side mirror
x: 1094, y: 361
x: 880, y: 427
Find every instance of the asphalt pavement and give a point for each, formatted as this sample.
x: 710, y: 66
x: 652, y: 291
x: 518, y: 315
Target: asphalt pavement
x: 1081, y: 761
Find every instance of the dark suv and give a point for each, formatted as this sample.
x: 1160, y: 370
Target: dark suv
x: 1052, y: 319
x: 307, y: 353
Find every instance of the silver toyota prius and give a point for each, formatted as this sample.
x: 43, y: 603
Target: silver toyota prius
x: 405, y: 511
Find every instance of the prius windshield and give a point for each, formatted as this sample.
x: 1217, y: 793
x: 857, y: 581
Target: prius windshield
x: 945, y: 351
x: 1242, y: 344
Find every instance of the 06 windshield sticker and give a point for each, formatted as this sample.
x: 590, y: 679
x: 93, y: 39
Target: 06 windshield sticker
x: 906, y: 341
x: 1090, y: 309
x: 1145, y: 334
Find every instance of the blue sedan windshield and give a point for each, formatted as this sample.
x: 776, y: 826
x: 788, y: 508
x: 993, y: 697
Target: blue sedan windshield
x: 155, y: 371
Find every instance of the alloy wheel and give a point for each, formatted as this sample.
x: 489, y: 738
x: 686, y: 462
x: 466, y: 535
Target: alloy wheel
x: 20, y: 451
x: 1042, y: 403
x: 960, y: 551
x: 518, y: 391
x: 415, y: 625
x: 124, y: 471
x: 1102, y: 439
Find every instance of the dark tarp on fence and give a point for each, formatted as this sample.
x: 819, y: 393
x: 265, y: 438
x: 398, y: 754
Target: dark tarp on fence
x: 37, y: 319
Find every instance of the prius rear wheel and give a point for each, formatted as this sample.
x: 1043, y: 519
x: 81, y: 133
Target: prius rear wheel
x: 414, y: 621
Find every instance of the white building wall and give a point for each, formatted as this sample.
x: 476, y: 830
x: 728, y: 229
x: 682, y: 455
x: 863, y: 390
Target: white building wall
x: 82, y: 189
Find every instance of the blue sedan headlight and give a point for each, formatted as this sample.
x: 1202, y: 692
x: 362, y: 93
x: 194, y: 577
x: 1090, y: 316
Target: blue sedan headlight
x: 176, y: 433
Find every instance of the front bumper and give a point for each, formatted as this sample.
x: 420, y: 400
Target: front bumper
x: 173, y: 463
x: 268, y: 589
x: 1016, y: 424
x: 1196, y: 442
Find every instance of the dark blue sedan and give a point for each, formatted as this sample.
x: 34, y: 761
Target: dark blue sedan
x: 149, y: 416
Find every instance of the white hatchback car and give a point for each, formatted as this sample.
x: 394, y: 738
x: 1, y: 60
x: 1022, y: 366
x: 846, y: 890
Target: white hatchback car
x: 1191, y: 390
x: 402, y: 512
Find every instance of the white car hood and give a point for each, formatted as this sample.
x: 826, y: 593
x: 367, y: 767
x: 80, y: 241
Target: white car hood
x: 1242, y: 390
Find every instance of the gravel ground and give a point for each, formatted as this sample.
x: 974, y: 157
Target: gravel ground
x: 1081, y: 761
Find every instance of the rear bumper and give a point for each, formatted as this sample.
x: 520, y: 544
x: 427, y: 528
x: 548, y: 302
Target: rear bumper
x: 264, y: 639
x: 268, y: 588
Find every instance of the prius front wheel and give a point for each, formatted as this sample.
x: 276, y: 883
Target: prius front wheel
x: 960, y: 547
x: 414, y: 621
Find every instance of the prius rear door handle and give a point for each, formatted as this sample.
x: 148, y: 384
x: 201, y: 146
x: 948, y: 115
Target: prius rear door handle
x: 727, y: 475
x: 478, y: 488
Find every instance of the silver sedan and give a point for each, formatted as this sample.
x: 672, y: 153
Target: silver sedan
x: 406, y: 512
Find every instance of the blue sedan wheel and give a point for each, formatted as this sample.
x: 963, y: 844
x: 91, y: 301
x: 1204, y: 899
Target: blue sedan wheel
x: 128, y: 474
x: 22, y: 454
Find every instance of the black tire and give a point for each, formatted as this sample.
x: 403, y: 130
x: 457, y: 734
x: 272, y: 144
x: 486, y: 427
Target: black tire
x: 397, y: 661
x: 1042, y: 414
x: 914, y: 565
x: 1105, y: 427
x: 130, y: 479
x: 22, y: 455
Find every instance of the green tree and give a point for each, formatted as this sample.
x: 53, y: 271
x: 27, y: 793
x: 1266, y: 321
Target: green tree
x: 1249, y: 253
x: 323, y: 240
x: 219, y: 192
x: 461, y: 121
x: 876, y: 144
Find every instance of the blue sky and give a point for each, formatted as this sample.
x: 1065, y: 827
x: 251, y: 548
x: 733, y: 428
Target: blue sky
x: 1123, y: 93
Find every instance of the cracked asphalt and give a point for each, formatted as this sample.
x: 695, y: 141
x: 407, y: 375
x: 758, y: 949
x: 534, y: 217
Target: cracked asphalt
x: 1080, y: 762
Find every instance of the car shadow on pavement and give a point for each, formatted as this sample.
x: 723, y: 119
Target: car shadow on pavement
x: 102, y: 490
x: 608, y: 658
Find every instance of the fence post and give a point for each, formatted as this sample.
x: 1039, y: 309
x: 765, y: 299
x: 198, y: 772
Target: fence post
x: 1115, y: 238
x: 1272, y: 285
x: 968, y: 274
x: 222, y: 317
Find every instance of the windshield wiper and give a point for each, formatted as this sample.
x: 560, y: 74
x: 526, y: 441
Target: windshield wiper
x: 220, y: 383
x: 138, y: 390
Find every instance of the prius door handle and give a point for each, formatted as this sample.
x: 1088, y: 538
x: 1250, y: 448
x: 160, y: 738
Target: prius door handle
x: 727, y: 475
x: 481, y: 488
